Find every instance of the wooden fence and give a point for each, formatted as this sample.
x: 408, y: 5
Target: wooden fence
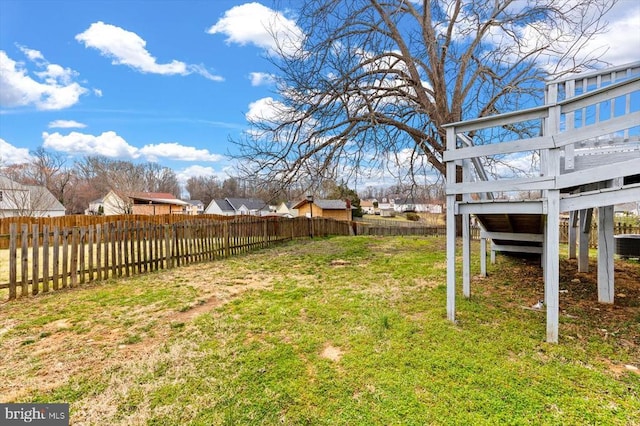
x: 401, y: 228
x: 43, y: 257
x: 618, y: 229
x: 391, y: 228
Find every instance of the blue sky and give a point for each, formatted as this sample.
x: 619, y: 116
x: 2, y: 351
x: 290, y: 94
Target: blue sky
x: 166, y: 81
x: 155, y: 80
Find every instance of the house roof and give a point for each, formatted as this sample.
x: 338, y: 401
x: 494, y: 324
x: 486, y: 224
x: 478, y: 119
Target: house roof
x: 156, y: 197
x: 249, y: 203
x: 223, y: 204
x: 43, y: 199
x: 194, y: 202
x: 325, y: 204
x: 6, y: 183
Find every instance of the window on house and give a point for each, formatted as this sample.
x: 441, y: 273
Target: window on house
x: 0, y: 195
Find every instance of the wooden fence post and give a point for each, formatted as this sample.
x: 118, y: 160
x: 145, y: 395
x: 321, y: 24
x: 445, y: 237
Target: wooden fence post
x: 65, y: 257
x: 225, y: 238
x: 35, y: 248
x: 81, y: 261
x: 24, y: 253
x: 74, y: 256
x: 99, y: 252
x: 45, y: 258
x: 56, y: 257
x: 91, y: 242
x: 13, y: 260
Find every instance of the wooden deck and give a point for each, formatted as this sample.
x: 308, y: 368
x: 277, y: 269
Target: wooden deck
x: 587, y: 157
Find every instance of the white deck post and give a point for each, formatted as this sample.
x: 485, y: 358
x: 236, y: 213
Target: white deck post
x: 483, y: 253
x: 583, y: 245
x: 605, y: 255
x: 573, y: 233
x: 466, y: 238
x: 552, y: 265
x: 466, y: 256
x: 551, y: 251
x: 451, y: 232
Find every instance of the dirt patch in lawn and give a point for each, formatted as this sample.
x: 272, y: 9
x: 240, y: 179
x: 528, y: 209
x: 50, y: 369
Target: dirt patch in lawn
x: 65, y: 348
x: 331, y: 352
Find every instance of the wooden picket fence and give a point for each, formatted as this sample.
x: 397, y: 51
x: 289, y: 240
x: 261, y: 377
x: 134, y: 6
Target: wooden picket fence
x: 618, y: 229
x: 43, y: 257
x: 404, y: 229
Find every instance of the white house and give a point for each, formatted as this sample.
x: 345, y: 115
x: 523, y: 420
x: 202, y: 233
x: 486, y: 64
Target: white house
x: 194, y: 208
x: 238, y: 206
x: 286, y: 209
x: 27, y: 200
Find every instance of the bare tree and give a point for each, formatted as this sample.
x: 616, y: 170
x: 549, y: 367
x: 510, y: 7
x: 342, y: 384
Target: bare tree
x: 161, y: 179
x: 374, y: 81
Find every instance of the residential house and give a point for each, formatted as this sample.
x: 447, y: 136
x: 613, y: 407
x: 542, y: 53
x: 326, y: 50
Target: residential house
x: 335, y: 209
x: 27, y: 200
x: 627, y: 209
x: 238, y: 206
x: 367, y: 206
x: 285, y: 209
x: 143, y: 203
x: 96, y: 207
x: 194, y: 208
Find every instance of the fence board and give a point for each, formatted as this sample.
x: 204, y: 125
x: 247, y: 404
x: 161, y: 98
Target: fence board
x: 25, y: 260
x: 13, y: 259
x: 56, y: 257
x: 70, y: 256
x: 35, y: 248
x: 45, y: 258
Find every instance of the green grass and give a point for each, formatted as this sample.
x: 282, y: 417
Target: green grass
x: 151, y: 350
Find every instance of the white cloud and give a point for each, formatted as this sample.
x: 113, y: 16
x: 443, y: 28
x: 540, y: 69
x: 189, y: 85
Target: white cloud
x: 128, y: 48
x: 57, y: 90
x: 195, y: 171
x: 622, y: 40
x: 201, y: 70
x: 265, y: 109
x: 10, y: 154
x: 176, y: 151
x: 253, y: 23
x: 110, y: 144
x: 66, y: 124
x: 261, y: 78
x: 33, y: 55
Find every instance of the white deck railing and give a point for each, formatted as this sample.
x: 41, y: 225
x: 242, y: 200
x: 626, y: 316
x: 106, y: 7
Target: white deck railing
x: 590, y: 126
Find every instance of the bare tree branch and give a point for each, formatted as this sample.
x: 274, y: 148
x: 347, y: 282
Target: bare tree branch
x: 375, y: 80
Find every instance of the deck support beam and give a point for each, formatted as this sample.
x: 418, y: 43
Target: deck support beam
x: 605, y: 255
x: 466, y: 256
x: 573, y: 233
x: 483, y: 253
x: 451, y: 232
x: 583, y: 244
x: 552, y: 265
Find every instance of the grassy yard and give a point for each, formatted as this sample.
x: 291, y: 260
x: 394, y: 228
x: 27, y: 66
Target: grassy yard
x: 348, y: 330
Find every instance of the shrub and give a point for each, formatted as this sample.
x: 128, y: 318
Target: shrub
x: 413, y: 217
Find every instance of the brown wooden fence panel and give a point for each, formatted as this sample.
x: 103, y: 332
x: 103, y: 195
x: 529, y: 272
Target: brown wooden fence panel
x: 77, y: 250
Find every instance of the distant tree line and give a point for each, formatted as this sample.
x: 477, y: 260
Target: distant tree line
x: 76, y: 184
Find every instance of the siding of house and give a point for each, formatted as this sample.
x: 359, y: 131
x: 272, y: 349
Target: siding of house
x: 155, y: 209
x: 305, y: 210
